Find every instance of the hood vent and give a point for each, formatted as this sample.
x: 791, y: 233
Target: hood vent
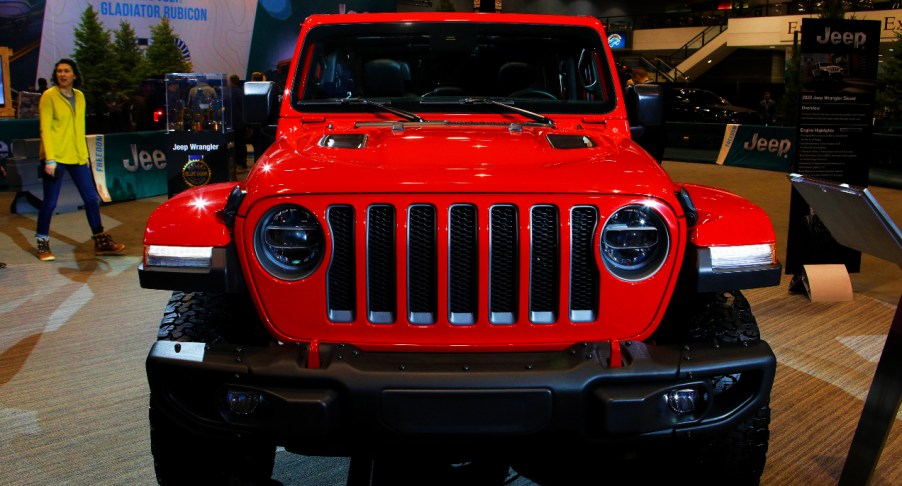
x: 570, y: 141
x: 346, y: 140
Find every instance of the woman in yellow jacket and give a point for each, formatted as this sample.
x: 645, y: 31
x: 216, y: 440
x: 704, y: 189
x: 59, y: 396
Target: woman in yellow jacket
x: 64, y: 147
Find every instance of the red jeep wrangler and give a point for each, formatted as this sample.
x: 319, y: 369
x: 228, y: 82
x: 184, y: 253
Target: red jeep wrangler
x: 456, y: 249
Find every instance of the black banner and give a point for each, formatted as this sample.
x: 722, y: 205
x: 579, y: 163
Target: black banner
x: 838, y: 77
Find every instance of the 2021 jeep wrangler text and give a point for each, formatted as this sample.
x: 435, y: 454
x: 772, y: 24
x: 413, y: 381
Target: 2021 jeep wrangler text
x: 455, y: 248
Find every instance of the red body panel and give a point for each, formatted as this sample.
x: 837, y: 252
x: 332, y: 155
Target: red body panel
x: 190, y: 218
x: 727, y: 219
x: 455, y: 159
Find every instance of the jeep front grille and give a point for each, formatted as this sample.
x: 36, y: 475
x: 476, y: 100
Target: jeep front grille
x: 448, y: 262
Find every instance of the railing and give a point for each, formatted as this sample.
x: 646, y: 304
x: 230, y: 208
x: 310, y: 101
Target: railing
x: 659, y: 70
x: 696, y: 43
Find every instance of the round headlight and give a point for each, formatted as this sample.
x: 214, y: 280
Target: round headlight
x: 634, y: 242
x: 289, y: 242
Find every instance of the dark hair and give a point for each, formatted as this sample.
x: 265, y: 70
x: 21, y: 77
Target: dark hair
x: 71, y: 63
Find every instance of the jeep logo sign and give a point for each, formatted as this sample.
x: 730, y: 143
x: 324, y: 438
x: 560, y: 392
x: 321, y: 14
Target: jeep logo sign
x: 144, y: 160
x: 779, y: 146
x: 854, y: 39
x: 756, y: 146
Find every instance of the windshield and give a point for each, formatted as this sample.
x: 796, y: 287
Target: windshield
x: 437, y: 67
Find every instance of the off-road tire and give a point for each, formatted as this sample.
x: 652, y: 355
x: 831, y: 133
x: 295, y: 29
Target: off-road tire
x: 209, y: 317
x: 184, y: 456
x: 720, y: 318
x: 725, y: 318
x: 738, y: 457
x: 181, y: 457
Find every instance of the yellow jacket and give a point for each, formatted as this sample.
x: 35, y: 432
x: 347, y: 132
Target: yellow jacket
x: 62, y: 129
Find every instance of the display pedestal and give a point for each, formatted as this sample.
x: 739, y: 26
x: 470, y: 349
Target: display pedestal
x: 823, y: 283
x: 199, y: 158
x: 858, y: 221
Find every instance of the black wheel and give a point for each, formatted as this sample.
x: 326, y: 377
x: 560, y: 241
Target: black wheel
x: 721, y: 318
x: 739, y: 456
x: 182, y: 455
x: 208, y: 317
x: 725, y: 318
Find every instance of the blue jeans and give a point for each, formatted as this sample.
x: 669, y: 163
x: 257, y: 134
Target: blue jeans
x: 84, y: 181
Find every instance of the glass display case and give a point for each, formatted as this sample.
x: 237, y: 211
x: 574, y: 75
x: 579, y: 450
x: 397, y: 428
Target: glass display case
x: 198, y: 102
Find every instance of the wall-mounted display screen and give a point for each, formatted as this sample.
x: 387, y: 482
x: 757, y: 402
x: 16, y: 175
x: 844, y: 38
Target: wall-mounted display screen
x: 617, y: 40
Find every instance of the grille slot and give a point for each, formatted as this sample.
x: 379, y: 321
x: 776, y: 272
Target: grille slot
x: 583, y: 272
x: 544, y: 264
x: 380, y: 265
x: 504, y: 269
x: 341, y: 294
x: 513, y: 253
x: 462, y: 265
x: 422, y: 265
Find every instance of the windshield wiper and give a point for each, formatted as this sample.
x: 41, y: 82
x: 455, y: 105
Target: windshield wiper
x: 382, y: 106
x: 528, y: 114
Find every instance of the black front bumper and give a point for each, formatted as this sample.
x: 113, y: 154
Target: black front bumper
x: 361, y: 400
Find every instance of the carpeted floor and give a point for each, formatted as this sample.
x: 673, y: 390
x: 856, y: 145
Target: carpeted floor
x: 74, y: 334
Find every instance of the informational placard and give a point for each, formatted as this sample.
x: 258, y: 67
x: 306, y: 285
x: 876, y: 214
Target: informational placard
x: 838, y: 76
x: 198, y: 158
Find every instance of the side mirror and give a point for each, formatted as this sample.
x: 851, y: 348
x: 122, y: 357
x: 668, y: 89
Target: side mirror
x: 645, y: 105
x: 261, y: 102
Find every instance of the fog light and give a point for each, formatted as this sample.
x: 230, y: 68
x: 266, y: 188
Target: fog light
x: 242, y: 402
x: 683, y: 401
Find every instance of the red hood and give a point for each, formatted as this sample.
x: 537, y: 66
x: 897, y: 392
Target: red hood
x: 456, y: 158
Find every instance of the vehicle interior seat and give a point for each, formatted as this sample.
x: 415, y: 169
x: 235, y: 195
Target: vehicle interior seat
x: 516, y: 76
x: 383, y: 78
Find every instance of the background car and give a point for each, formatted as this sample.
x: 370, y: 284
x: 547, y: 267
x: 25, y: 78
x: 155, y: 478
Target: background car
x: 703, y: 106
x: 826, y: 70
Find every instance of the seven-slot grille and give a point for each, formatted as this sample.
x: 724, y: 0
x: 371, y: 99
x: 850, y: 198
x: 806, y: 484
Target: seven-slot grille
x: 460, y: 264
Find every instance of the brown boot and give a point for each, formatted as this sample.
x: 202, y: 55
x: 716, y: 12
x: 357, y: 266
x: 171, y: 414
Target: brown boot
x: 44, y: 253
x: 104, y: 245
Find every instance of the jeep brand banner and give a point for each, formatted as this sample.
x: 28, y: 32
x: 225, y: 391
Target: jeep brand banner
x: 757, y: 147
x: 214, y: 35
x: 838, y: 77
x: 134, y: 164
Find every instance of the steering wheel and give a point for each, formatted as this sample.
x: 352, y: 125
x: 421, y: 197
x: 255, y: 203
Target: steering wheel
x: 532, y: 93
x: 445, y: 91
